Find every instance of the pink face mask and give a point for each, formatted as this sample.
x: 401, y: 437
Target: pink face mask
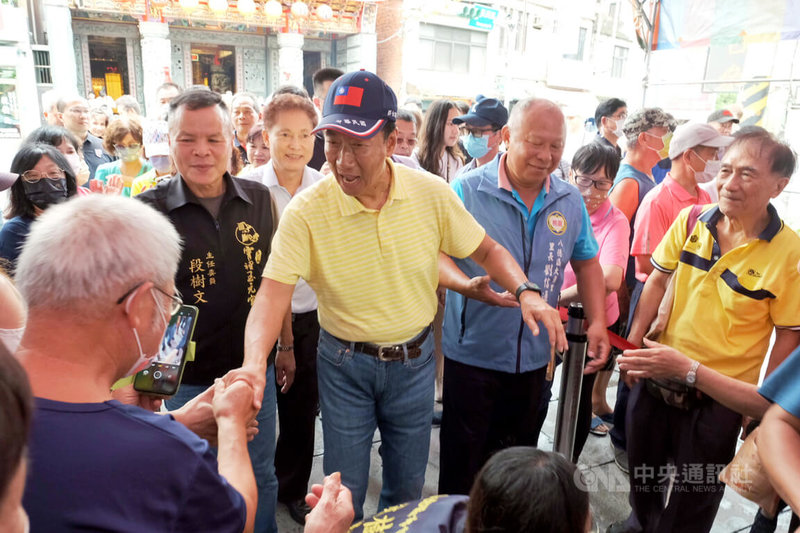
x: 74, y: 162
x: 593, y: 198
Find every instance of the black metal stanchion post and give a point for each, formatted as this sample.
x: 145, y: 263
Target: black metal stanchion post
x: 571, y: 377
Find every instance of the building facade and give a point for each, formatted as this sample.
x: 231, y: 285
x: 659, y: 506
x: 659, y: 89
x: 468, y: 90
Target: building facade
x: 575, y: 53
x: 131, y: 47
x: 18, y: 77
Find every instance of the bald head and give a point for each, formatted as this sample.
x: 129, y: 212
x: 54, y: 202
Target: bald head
x: 529, y: 108
x: 535, y: 137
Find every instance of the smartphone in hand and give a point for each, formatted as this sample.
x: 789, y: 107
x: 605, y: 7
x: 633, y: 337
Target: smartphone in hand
x: 163, y: 376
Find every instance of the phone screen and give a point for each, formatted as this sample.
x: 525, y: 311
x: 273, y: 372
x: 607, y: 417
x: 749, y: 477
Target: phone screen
x: 164, y: 373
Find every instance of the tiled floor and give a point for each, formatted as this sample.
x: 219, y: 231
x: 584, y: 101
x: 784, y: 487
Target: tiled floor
x: 609, y: 503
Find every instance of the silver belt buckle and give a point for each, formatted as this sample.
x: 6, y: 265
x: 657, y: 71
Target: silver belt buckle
x: 382, y: 357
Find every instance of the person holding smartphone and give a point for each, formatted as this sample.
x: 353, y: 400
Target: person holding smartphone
x: 163, y: 376
x: 96, y: 463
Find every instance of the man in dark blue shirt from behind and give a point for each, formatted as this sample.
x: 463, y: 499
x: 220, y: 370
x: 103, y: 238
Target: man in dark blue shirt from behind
x: 97, y: 463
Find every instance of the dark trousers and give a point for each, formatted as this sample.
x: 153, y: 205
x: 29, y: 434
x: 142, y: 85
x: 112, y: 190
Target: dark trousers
x: 698, y: 442
x: 618, y: 432
x: 762, y: 524
x: 484, y: 411
x: 297, y: 411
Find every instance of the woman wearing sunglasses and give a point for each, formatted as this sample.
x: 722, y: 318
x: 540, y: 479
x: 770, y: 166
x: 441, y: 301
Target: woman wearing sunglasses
x: 45, y: 178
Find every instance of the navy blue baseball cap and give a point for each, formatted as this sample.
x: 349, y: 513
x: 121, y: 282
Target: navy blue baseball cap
x: 359, y: 104
x: 485, y: 112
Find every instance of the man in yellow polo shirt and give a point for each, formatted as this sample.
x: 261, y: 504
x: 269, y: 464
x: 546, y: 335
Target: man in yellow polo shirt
x: 367, y: 240
x: 736, y: 279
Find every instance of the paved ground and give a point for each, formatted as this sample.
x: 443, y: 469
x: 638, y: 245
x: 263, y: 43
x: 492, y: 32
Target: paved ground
x: 735, y: 513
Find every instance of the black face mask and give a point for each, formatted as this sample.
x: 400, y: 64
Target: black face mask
x: 46, y: 192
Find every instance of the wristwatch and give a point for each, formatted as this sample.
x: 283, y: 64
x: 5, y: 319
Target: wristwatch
x: 691, y: 376
x: 527, y: 286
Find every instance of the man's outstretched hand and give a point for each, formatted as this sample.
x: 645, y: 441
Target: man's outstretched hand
x: 480, y: 289
x: 535, y: 310
x: 331, y: 506
x: 254, y: 376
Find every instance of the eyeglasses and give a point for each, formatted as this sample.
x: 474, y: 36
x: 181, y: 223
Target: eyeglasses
x: 621, y: 116
x: 480, y: 132
x: 132, y: 147
x: 666, y: 138
x: 175, y: 299
x: 78, y: 110
x: 586, y: 181
x: 33, y: 176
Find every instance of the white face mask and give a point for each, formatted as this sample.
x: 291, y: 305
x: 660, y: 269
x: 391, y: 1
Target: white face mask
x: 618, y: 129
x: 11, y: 338
x: 709, y: 172
x: 144, y: 360
x: 74, y: 162
x: 161, y: 163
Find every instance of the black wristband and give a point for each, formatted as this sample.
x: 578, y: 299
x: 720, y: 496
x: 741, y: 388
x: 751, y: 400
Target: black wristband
x: 527, y: 286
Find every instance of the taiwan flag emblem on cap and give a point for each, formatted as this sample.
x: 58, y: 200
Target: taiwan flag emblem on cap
x: 348, y: 96
x: 358, y: 104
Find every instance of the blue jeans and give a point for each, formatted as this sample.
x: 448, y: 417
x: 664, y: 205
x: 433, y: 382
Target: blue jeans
x: 261, y: 448
x: 359, y: 393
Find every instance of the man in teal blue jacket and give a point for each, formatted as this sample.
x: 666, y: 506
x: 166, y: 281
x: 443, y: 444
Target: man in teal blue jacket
x: 494, y: 376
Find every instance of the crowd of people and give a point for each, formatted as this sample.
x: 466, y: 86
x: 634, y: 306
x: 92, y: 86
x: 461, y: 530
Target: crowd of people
x: 387, y: 269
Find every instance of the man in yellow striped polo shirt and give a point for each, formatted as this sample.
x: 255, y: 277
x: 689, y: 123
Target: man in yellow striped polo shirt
x: 736, y: 281
x: 368, y: 241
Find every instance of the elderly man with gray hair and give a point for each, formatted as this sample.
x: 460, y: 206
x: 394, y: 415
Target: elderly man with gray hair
x: 98, y: 306
x: 495, y: 386
x: 735, y: 283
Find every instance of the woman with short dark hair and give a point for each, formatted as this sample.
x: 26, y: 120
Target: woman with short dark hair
x: 67, y: 144
x: 123, y: 138
x: 45, y: 178
x: 593, y: 169
x: 526, y: 489
x: 519, y: 489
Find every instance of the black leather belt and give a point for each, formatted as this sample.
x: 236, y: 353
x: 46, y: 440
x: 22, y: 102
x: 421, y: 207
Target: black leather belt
x: 675, y: 394
x: 395, y: 352
x: 297, y: 317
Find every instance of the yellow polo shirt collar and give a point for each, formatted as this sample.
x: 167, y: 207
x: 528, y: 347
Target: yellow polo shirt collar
x: 349, y: 205
x: 726, y: 305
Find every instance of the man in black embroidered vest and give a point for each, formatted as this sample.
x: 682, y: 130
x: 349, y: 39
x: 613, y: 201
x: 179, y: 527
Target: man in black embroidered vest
x: 226, y: 225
